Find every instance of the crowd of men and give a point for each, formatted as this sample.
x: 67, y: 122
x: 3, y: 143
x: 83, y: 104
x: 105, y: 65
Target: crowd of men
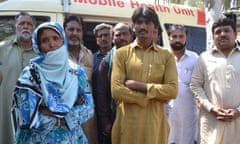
x: 143, y: 93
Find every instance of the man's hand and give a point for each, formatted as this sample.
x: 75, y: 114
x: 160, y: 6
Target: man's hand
x: 225, y: 114
x: 130, y: 84
x: 233, y: 113
x: 137, y: 86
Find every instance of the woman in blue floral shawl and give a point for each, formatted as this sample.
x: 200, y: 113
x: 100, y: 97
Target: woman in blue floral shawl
x: 52, y: 98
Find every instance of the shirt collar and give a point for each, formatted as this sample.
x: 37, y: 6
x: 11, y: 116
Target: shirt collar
x: 187, y: 52
x: 154, y: 46
x: 215, y: 50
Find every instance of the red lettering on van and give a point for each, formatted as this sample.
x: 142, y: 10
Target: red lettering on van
x: 162, y: 8
x: 183, y: 11
x: 157, y: 8
x: 134, y: 4
x: 114, y: 3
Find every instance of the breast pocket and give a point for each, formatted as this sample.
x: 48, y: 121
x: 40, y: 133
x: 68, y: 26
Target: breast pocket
x: 184, y: 75
x: 156, y: 73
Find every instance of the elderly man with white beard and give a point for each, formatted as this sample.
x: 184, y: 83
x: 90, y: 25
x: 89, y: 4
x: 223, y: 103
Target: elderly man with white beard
x: 14, y: 55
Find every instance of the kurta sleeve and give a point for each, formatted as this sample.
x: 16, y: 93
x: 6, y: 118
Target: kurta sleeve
x: 197, y: 84
x: 119, y: 75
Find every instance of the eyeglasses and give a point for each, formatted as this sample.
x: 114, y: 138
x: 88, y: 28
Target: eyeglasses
x: 103, y: 35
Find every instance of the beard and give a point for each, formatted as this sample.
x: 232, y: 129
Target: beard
x: 24, y: 36
x: 74, y: 41
x: 177, y: 46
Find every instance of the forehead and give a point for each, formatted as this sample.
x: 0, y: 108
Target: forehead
x: 25, y: 18
x: 45, y: 32
x: 121, y: 29
x: 74, y: 24
x: 177, y: 32
x: 223, y: 27
x: 103, y: 30
x: 143, y: 19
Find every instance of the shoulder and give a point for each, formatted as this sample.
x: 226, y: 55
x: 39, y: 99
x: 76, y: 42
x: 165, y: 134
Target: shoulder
x: 192, y: 54
x: 75, y: 68
x: 164, y: 51
x: 124, y: 49
x: 26, y: 71
x: 86, y: 50
x: 123, y: 52
x: 73, y: 65
x: 206, y: 57
x: 110, y: 54
x: 6, y: 43
x: 206, y: 53
x: 25, y: 75
x: 96, y: 53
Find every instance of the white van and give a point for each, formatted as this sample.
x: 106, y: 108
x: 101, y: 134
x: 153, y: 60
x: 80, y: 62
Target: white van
x: 94, y: 12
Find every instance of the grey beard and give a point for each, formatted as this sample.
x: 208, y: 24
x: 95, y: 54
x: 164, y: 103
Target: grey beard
x: 77, y: 43
x: 25, y: 37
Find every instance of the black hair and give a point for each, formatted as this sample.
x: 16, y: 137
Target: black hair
x: 146, y: 12
x: 69, y: 18
x: 176, y: 27
x: 224, y: 22
x: 159, y: 30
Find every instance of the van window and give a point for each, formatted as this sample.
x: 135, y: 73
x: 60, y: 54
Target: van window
x: 7, y: 25
x: 196, y: 38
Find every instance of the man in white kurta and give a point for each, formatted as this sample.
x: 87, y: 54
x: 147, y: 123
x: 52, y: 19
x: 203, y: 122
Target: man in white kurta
x: 183, y: 110
x: 216, y: 85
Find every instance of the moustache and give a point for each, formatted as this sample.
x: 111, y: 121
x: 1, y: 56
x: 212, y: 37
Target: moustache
x: 223, y: 38
x: 178, y: 43
x: 143, y: 30
x: 74, y: 37
x: 26, y: 31
x: 104, y: 41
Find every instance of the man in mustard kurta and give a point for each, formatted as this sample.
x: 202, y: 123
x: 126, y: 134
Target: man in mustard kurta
x: 144, y: 77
